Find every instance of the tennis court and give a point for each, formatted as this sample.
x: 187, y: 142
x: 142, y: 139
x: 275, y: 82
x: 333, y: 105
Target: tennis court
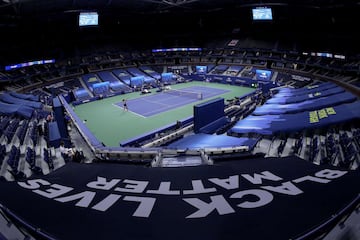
x: 111, y: 124
x: 150, y: 105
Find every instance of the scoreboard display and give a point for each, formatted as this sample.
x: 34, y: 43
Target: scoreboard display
x: 88, y: 19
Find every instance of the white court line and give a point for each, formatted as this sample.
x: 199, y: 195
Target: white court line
x: 166, y: 99
x: 137, y: 114
x: 161, y: 104
x: 167, y: 108
x: 117, y: 106
x: 158, y: 110
x: 163, y: 107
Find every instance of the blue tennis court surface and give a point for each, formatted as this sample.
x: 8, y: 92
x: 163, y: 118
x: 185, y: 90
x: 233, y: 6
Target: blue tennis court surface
x: 153, y: 104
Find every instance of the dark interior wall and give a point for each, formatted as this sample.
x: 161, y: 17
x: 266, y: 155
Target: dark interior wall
x: 56, y: 34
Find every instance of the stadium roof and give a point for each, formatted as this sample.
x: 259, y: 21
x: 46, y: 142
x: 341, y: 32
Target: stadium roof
x: 15, y: 13
x: 26, y: 7
x: 55, y: 22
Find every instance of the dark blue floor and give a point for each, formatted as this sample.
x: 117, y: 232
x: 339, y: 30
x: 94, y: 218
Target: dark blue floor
x: 218, y: 202
x: 200, y: 140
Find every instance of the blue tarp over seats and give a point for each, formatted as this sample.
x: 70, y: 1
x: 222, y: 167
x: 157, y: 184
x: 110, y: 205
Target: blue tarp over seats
x: 219, y: 69
x: 329, y: 101
x: 278, y: 99
x: 210, y: 67
x: 21, y: 110
x: 90, y: 79
x: 202, y: 140
x: 107, y: 76
x: 272, y: 124
x: 101, y: 88
x: 115, y: 83
x: 119, y: 86
x: 305, y: 90
x: 123, y: 75
x: 235, y: 68
x: 150, y: 80
x: 221, y: 201
x: 7, y: 98
x: 26, y: 96
x: 81, y: 94
x: 148, y: 70
x: 137, y: 73
x: 214, y: 126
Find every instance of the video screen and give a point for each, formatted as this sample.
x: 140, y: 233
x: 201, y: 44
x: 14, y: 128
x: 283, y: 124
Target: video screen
x: 88, y: 19
x: 264, y: 75
x: 262, y: 14
x: 27, y: 64
x: 201, y: 69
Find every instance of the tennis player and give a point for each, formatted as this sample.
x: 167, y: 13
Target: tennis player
x: 125, y: 107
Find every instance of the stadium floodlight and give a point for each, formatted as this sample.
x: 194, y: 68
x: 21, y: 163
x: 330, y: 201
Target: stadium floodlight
x: 10, y: 1
x: 173, y: 3
x: 178, y: 2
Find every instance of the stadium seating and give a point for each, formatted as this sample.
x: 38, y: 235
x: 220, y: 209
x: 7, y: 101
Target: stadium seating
x: 30, y: 158
x: 218, y: 61
x: 9, y: 98
x: 82, y: 94
x: 48, y: 159
x: 115, y: 84
x: 271, y: 127
x: 138, y: 73
x: 123, y: 75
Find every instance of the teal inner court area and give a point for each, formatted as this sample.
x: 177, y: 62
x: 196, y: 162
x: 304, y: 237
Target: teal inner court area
x: 107, y: 120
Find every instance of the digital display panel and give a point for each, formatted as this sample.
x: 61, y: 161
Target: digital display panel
x: 262, y: 14
x: 201, y: 69
x: 175, y: 49
x: 263, y: 75
x: 28, y: 64
x: 88, y: 19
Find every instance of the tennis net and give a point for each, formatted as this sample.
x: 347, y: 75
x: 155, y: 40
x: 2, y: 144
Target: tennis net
x: 182, y: 93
